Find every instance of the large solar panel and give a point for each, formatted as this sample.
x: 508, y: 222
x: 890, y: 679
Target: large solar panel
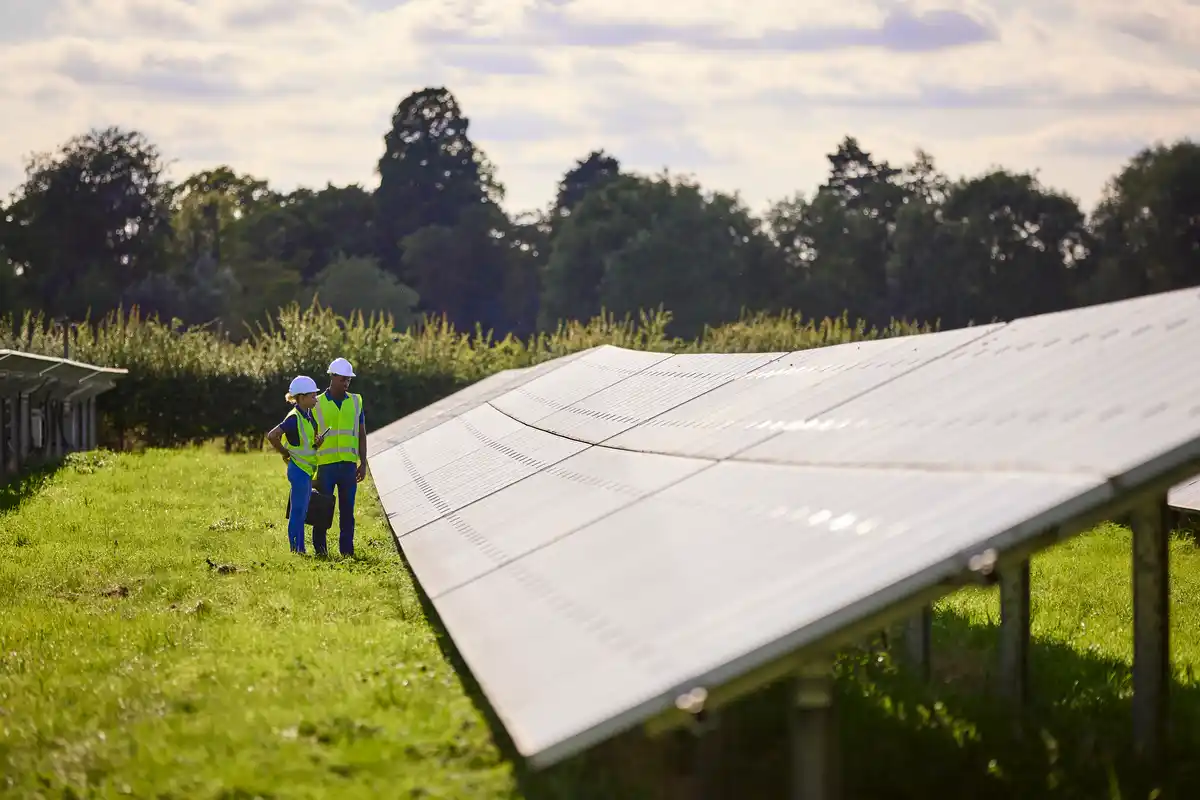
x: 1094, y: 391
x: 560, y: 388
x: 532, y: 513
x: 452, y: 405
x: 739, y: 413
x: 647, y: 394
x: 625, y: 526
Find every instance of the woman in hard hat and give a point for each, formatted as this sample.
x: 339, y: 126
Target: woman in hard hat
x: 300, y: 452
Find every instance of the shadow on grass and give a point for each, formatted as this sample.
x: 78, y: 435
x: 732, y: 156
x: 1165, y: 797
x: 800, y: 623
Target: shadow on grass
x: 19, y: 489
x: 900, y: 738
x: 23, y: 487
x: 1075, y: 739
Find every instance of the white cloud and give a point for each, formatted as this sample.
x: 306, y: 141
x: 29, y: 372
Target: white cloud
x: 748, y: 95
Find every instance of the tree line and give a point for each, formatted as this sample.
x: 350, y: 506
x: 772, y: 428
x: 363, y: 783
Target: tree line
x: 96, y: 226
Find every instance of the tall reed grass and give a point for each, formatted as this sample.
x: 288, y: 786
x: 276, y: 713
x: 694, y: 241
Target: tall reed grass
x: 190, y: 385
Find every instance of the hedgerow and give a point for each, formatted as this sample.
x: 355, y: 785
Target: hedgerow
x: 195, y: 385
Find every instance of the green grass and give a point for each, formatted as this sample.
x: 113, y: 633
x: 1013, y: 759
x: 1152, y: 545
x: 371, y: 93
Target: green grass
x: 130, y: 666
x: 1076, y: 740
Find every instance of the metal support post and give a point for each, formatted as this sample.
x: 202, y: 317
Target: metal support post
x: 815, y: 759
x: 23, y: 429
x: 1014, y: 634
x: 918, y: 642
x: 703, y: 746
x: 706, y: 754
x: 93, y: 433
x: 6, y: 441
x: 1151, y: 628
x: 51, y: 421
x: 67, y: 428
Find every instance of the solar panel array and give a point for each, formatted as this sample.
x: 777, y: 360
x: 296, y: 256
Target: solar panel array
x: 602, y: 532
x: 57, y: 378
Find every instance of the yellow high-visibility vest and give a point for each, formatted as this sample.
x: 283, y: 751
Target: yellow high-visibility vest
x: 305, y: 455
x: 341, y: 443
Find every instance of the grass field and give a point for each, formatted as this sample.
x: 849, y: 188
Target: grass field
x: 158, y: 640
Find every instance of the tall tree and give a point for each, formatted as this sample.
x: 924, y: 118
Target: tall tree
x: 12, y: 288
x: 591, y: 172
x: 430, y: 171
x: 309, y: 229
x: 357, y: 284
x: 838, y: 243
x: 640, y: 243
x: 245, y: 192
x: 459, y: 270
x: 339, y: 221
x: 1000, y: 247
x: 207, y: 204
x: 922, y: 180
x: 287, y: 242
x: 91, y: 220
x: 528, y: 243
x: 1148, y: 225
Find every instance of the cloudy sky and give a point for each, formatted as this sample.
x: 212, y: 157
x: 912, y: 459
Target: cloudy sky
x: 747, y: 95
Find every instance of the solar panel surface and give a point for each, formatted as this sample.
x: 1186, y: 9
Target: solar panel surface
x: 623, y: 526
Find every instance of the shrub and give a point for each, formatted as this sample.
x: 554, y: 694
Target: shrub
x: 194, y: 385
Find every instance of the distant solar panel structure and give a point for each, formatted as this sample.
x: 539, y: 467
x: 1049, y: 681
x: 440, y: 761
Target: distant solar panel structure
x: 625, y: 538
x: 1186, y: 496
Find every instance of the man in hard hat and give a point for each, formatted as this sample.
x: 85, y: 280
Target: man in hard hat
x: 342, y: 457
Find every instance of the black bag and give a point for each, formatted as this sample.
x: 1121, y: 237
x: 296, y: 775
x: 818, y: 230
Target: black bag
x: 320, y: 510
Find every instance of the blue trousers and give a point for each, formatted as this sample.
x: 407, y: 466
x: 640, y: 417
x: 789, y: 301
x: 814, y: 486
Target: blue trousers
x: 301, y: 488
x: 343, y: 477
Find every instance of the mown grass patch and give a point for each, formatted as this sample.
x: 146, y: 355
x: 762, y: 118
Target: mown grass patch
x: 158, y: 640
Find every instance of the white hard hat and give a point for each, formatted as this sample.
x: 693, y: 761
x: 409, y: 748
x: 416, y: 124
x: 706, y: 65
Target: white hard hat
x: 302, y: 384
x: 340, y: 366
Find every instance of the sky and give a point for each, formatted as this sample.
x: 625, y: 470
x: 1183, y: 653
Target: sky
x: 747, y: 96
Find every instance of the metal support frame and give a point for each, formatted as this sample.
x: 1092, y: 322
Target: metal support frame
x: 703, y: 745
x: 9, y: 430
x: 816, y: 773
x: 706, y: 757
x: 49, y: 430
x: 67, y: 427
x: 23, y: 449
x: 60, y: 394
x: 1151, y: 627
x: 1015, y: 633
x: 85, y: 424
x: 54, y: 411
x: 918, y: 642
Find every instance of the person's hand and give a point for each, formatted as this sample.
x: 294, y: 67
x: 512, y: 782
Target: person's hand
x: 361, y: 475
x: 317, y: 442
x: 287, y: 457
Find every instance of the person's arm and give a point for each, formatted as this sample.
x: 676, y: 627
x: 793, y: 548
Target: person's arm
x: 289, y: 428
x: 275, y: 437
